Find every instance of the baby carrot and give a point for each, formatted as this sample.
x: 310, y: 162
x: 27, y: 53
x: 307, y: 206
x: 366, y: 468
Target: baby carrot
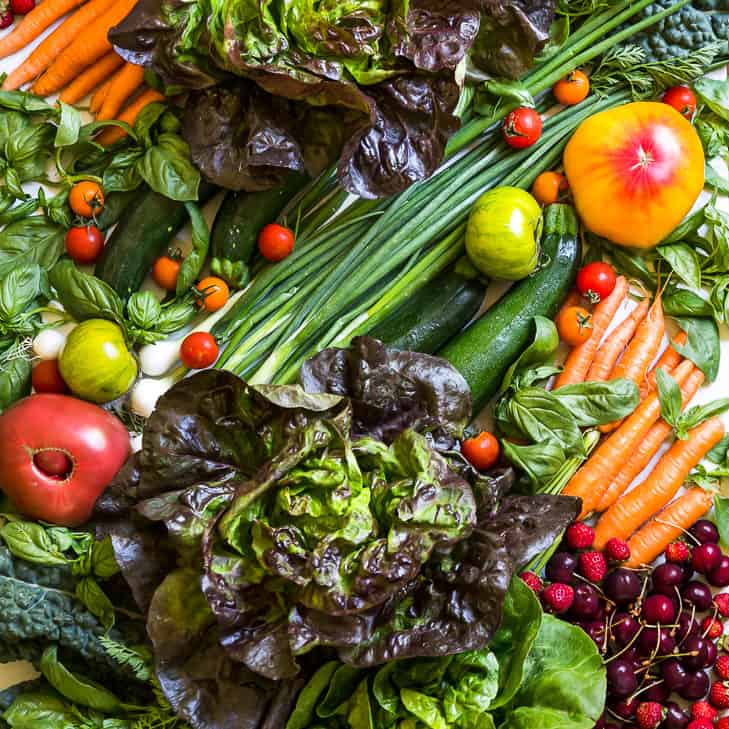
x: 91, y: 78
x: 97, y: 98
x: 649, y: 497
x: 669, y: 360
x: 110, y: 135
x: 580, y: 358
x: 647, y: 543
x: 124, y: 84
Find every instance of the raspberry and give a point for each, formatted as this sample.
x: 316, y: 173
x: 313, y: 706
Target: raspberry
x: 616, y: 550
x: 722, y: 604
x: 580, y: 535
x: 558, y: 597
x: 677, y: 552
x: 593, y: 566
x: 711, y: 627
x: 722, y: 667
x: 719, y: 695
x: 704, y: 710
x: 532, y: 581
x: 649, y: 714
x: 700, y: 724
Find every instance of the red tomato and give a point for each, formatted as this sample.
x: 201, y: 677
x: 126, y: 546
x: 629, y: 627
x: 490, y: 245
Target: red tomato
x: 46, y: 377
x: 215, y: 292
x: 198, y: 350
x: 482, y: 451
x: 522, y: 127
x: 574, y: 325
x: 86, y: 199
x: 84, y: 243
x: 682, y: 99
x: 596, y: 281
x: 572, y: 89
x: 275, y: 242
x: 165, y: 271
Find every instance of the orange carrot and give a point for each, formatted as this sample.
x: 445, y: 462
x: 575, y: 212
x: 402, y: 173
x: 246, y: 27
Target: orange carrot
x: 42, y: 16
x: 113, y: 134
x: 647, y: 447
x: 615, y: 343
x: 602, y: 467
x: 650, y: 496
x: 580, y: 358
x: 97, y: 98
x: 124, y: 84
x: 668, y: 361
x: 647, y: 543
x: 91, y: 78
x: 83, y: 50
x: 50, y: 48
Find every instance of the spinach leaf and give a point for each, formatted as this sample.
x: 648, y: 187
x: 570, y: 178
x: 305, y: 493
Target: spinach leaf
x: 702, y: 344
x: 31, y: 240
x: 195, y: 260
x: 596, y: 403
x: 682, y: 302
x: 540, y: 462
x: 167, y: 169
x: 721, y: 519
x: 69, y: 126
x: 15, y: 372
x: 33, y: 709
x: 539, y: 352
x: 29, y: 541
x: 683, y: 261
x: 96, y: 601
x: 715, y: 94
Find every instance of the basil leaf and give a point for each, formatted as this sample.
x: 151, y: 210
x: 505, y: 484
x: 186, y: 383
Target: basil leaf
x: 144, y: 309
x: 715, y: 94
x: 31, y: 240
x: 687, y: 227
x: 122, y: 173
x: 669, y: 395
x: 719, y: 452
x: 596, y: 403
x: 633, y: 265
x: 95, y: 600
x: 29, y: 541
x: 719, y: 299
x: 539, y: 352
x: 721, y: 518
x: 682, y: 302
x: 23, y: 101
x: 684, y: 262
x: 18, y: 290
x: 167, y: 169
x: 511, y: 91
x: 539, y: 462
x: 540, y: 415
x: 698, y: 414
x: 702, y: 344
x: 85, y: 296
x: 77, y: 689
x: 716, y: 181
x: 15, y: 373
x: 11, y: 124
x: 69, y: 126
x: 33, y: 709
x: 195, y: 260
x: 146, y: 119
x: 103, y: 563
x: 29, y: 150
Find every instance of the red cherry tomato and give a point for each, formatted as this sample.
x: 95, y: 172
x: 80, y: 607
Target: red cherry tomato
x: 21, y: 7
x: 46, y: 377
x: 198, y: 350
x: 482, y: 451
x: 596, y: 281
x: 522, y: 127
x: 84, y: 243
x: 682, y: 99
x: 275, y: 242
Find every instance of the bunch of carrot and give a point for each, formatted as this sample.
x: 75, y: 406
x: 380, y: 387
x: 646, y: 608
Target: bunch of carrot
x: 77, y: 58
x: 647, y: 515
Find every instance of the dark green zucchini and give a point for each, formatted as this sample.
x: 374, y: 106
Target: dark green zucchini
x: 433, y: 315
x: 484, y: 351
x: 141, y: 235
x: 238, y: 222
x: 115, y: 204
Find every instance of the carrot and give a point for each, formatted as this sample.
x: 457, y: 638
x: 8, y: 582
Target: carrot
x: 608, y: 458
x: 650, y: 496
x: 52, y: 46
x: 124, y: 84
x: 647, y: 447
x: 668, y: 361
x: 42, y: 16
x: 97, y: 98
x: 113, y: 134
x: 83, y: 50
x: 580, y: 358
x: 615, y: 343
x: 91, y: 78
x: 647, y: 543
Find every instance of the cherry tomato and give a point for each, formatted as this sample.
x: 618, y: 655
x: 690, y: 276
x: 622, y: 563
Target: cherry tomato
x: 572, y: 89
x: 275, y: 242
x: 682, y: 99
x: 21, y: 7
x: 46, y: 377
x: 574, y: 325
x: 482, y: 451
x: 596, y: 281
x: 198, y: 350
x: 165, y: 271
x: 86, y: 199
x: 214, y: 292
x: 522, y: 127
x: 84, y: 243
x: 548, y: 187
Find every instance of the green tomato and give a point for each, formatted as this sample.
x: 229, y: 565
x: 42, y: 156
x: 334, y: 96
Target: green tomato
x: 95, y: 363
x: 502, y: 236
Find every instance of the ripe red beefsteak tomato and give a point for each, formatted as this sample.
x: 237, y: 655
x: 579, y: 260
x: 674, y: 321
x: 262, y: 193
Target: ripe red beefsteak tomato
x: 57, y: 454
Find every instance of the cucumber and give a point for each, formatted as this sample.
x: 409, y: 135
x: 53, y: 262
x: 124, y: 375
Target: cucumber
x: 238, y: 222
x: 114, y: 206
x: 141, y: 236
x: 484, y: 351
x: 433, y: 315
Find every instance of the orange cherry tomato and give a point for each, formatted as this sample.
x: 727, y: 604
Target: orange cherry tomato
x: 214, y: 292
x: 548, y: 187
x: 198, y: 350
x: 46, y: 377
x: 165, y: 271
x: 86, y: 199
x: 574, y: 325
x: 482, y: 451
x: 275, y: 242
x: 572, y: 89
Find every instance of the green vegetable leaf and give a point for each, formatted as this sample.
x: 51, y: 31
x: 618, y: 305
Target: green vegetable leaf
x: 18, y: 290
x: 669, y: 395
x: 28, y: 151
x: 719, y: 299
x: 15, y: 372
x: 29, y: 541
x: 715, y: 94
x: 146, y: 119
x: 144, y: 309
x: 682, y: 302
x: 122, y: 173
x: 34, y: 709
x: 539, y: 352
x: 512, y: 91
x: 23, y: 101
x: 95, y: 600
x: 69, y: 126
x: 716, y: 181
x: 702, y: 344
x: 721, y: 519
x: 195, y: 260
x: 167, y: 169
x: 698, y: 414
x: 304, y: 713
x: 423, y: 707
x: 30, y: 240
x: 596, y: 403
x: 540, y: 462
x: 683, y: 261
x: 103, y: 563
x: 360, y: 712
x: 718, y: 454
